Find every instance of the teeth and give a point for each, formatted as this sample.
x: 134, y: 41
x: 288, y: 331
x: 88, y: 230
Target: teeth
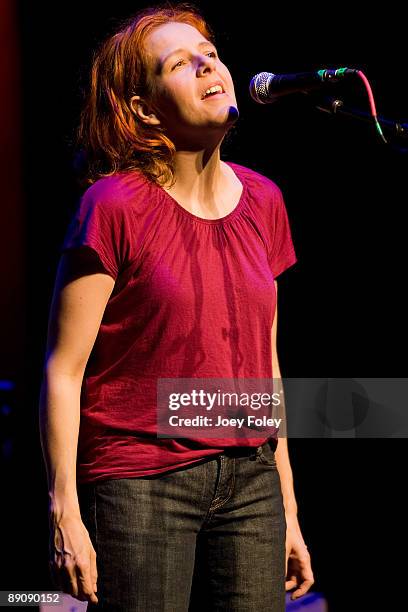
x: 214, y: 89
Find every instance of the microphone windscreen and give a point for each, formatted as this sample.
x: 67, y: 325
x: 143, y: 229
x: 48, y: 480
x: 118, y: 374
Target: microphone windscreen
x: 258, y: 87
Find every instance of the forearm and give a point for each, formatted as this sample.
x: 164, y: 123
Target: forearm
x: 286, y: 477
x: 281, y: 452
x: 59, y: 415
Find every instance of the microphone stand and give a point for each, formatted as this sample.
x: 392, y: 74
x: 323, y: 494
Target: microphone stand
x: 334, y: 106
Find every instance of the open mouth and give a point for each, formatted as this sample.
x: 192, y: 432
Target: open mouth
x: 213, y: 91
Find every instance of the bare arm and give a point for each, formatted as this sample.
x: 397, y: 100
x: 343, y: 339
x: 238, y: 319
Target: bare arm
x: 281, y: 453
x: 81, y: 292
x: 298, y: 571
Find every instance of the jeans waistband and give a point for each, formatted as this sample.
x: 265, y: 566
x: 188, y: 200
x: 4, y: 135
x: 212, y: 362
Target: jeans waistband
x: 247, y: 451
x: 241, y: 451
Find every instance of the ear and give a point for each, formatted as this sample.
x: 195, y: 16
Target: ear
x: 141, y: 110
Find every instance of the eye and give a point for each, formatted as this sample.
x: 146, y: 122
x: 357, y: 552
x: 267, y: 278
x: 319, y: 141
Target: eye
x: 212, y: 54
x: 179, y: 63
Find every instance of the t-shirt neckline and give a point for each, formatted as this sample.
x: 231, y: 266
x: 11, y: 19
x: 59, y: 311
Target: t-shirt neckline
x: 223, y: 219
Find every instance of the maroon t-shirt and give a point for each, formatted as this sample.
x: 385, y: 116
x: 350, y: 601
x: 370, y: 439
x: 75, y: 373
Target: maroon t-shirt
x: 193, y: 298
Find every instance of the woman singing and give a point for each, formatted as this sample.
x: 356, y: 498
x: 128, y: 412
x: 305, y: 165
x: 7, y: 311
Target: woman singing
x: 168, y: 271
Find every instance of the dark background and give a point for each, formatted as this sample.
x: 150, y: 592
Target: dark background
x: 341, y: 307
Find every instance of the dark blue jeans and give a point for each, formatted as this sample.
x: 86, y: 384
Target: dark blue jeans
x: 208, y: 537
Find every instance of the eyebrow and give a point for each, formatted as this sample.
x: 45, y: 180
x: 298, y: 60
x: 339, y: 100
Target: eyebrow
x: 203, y: 43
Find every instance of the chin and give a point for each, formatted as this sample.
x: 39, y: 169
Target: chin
x: 226, y: 117
x: 233, y: 114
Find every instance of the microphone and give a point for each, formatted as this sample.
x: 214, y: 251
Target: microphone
x: 267, y: 87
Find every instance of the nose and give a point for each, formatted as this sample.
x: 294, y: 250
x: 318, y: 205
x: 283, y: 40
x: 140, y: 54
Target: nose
x: 205, y: 65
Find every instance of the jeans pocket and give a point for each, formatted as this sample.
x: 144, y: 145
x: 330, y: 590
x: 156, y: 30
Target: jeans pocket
x: 266, y: 455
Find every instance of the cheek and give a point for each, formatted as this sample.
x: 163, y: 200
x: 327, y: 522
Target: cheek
x: 178, y: 98
x: 167, y: 103
x: 225, y: 73
x: 230, y: 83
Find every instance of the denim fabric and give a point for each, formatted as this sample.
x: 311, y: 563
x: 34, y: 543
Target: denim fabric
x: 208, y: 537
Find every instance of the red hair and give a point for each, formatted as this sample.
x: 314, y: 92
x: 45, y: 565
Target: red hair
x: 109, y: 135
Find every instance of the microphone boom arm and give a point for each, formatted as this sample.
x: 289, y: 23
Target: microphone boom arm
x: 334, y: 106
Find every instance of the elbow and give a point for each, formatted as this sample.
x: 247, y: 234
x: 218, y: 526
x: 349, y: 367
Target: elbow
x: 58, y: 366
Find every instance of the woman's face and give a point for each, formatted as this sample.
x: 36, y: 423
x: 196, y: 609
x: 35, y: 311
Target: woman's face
x: 184, y: 66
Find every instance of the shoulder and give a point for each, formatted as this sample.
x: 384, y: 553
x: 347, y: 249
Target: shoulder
x: 260, y: 187
x: 119, y: 192
x: 266, y: 196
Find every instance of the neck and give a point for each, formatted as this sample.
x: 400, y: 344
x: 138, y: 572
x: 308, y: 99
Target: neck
x: 199, y: 175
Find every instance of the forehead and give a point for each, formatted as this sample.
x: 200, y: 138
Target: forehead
x: 169, y: 36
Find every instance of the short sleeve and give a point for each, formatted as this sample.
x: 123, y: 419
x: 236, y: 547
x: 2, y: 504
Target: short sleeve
x: 100, y: 223
x: 282, y: 252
